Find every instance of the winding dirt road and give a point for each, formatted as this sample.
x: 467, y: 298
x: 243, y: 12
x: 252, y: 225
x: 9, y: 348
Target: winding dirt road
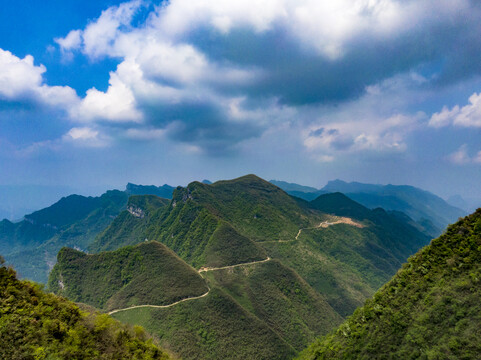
x: 324, y: 224
x: 204, y: 269
x: 160, y: 306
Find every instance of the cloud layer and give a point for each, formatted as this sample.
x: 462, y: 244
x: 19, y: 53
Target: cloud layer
x: 344, y: 76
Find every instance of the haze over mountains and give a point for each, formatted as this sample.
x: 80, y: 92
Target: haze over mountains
x: 231, y: 269
x: 268, y: 266
x: 431, y: 212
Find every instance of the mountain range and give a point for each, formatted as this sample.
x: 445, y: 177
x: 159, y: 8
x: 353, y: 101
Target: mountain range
x: 430, y: 212
x: 272, y: 271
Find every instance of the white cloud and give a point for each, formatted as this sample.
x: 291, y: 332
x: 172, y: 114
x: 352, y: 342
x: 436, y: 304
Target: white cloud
x: 84, y: 133
x: 85, y: 137
x: 367, y: 123
x: 18, y: 76
x: 116, y: 104
x: 98, y: 38
x: 21, y: 79
x: 466, y: 116
x: 461, y: 156
x: 72, y: 41
x: 161, y: 66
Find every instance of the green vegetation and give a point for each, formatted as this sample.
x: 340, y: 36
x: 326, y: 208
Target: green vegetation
x: 148, y: 273
x: 32, y: 244
x: 35, y: 325
x: 429, y: 310
x: 165, y: 191
x: 280, y: 298
x: 129, y: 226
x: 315, y: 275
x: 214, y: 327
x: 214, y: 225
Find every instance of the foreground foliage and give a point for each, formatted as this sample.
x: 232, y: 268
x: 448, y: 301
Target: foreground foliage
x: 429, y: 310
x: 36, y: 325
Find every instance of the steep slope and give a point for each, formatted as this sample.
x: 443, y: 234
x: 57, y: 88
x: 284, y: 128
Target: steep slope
x: 32, y: 244
x: 218, y: 224
x: 36, y: 325
x: 128, y: 227
x: 429, y: 310
x: 280, y: 298
x: 215, y: 327
x: 148, y: 273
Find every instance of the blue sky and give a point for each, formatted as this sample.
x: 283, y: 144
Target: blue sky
x: 94, y: 94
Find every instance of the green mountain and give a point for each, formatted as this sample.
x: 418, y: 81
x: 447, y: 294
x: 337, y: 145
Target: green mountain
x: 280, y: 270
x: 429, y: 310
x: 36, y: 325
x: 289, y: 187
x: 32, y: 244
x: 148, y: 273
x: 126, y: 228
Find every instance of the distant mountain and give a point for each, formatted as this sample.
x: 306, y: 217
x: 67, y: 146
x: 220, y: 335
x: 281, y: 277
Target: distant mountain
x: 36, y: 325
x: 430, y: 212
x: 289, y: 187
x: 420, y: 205
x: 429, y: 310
x: 32, y: 244
x: 164, y: 191
x: 469, y: 205
x: 280, y: 270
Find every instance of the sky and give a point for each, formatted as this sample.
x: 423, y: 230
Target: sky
x: 95, y: 94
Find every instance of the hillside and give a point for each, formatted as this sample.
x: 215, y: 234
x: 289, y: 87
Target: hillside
x: 219, y: 224
x: 279, y: 297
x: 126, y: 228
x: 148, y: 273
x: 36, y: 325
x: 429, y: 310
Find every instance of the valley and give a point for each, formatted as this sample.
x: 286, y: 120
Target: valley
x: 261, y: 263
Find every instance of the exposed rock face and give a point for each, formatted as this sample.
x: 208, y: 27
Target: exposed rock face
x: 136, y: 211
